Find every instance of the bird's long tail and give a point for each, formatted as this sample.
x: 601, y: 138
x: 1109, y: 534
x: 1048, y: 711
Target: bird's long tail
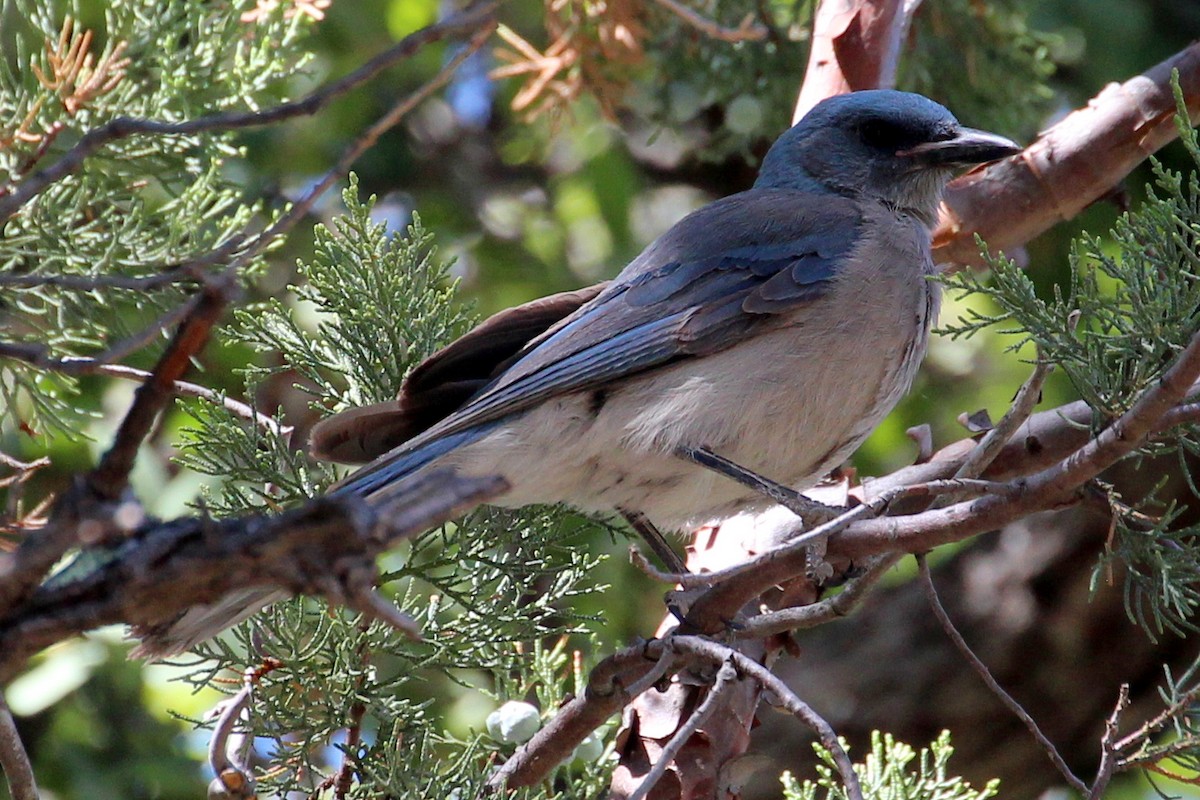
x: 384, y: 479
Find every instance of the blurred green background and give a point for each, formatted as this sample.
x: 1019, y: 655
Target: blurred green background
x: 529, y: 209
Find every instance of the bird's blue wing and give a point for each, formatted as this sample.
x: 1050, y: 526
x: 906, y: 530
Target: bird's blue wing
x: 723, y: 273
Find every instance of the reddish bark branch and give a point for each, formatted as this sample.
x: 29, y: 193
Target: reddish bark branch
x: 111, y: 476
x: 605, y: 695
x: 853, y: 44
x: 1069, y: 166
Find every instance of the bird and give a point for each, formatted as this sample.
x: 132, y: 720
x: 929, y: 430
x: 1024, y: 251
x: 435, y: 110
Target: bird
x: 774, y: 327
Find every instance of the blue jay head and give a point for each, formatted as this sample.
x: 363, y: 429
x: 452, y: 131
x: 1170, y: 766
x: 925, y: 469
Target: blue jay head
x: 897, y: 147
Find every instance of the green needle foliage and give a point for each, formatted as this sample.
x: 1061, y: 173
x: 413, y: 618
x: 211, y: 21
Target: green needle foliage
x: 370, y: 306
x: 383, y: 304
x: 889, y: 773
x: 1129, y: 310
x: 145, y: 203
x: 484, y: 591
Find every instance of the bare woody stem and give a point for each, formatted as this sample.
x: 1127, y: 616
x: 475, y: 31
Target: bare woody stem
x: 985, y: 675
x: 13, y: 758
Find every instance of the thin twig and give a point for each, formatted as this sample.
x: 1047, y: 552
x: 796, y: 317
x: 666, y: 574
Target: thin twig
x: 1158, y: 754
x: 748, y: 31
x: 186, y: 389
x: 719, y: 653
x: 15, y: 483
x: 89, y: 366
x: 345, y: 776
x: 840, y: 605
x: 1022, y: 407
x: 22, y: 466
x: 39, y: 355
x: 1159, y: 769
x: 1160, y: 721
x: 361, y: 596
x: 1109, y: 762
x: 176, y: 274
x: 18, y: 771
x: 662, y: 666
x: 232, y: 773
x: 122, y: 127
x: 726, y: 676
x: 985, y: 675
x: 1186, y: 414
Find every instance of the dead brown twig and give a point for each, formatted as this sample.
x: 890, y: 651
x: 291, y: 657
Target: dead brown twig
x: 75, y: 74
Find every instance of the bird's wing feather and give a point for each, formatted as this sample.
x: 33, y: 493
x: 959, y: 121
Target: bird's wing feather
x: 444, y: 382
x: 719, y: 275
x: 712, y: 280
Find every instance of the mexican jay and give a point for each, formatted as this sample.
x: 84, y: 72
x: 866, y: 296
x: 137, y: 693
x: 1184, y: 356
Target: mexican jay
x: 775, y: 327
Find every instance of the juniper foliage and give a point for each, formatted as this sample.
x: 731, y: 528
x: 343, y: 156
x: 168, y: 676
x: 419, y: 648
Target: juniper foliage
x: 1130, y: 308
x: 485, y: 591
x: 892, y: 771
x: 145, y: 204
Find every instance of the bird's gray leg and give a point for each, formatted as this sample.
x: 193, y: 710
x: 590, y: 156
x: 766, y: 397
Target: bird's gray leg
x: 812, y: 512
x: 655, y: 541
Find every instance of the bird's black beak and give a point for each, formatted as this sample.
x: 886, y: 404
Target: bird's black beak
x: 966, y: 148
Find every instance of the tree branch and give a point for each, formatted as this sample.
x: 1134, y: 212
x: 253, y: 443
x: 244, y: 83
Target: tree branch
x: 1047, y: 489
x: 855, y: 45
x: 13, y: 758
x: 726, y: 675
x: 150, y: 577
x: 718, y: 653
x: 606, y: 694
x: 1068, y: 167
x: 111, y: 475
x: 748, y: 31
x: 1028, y: 396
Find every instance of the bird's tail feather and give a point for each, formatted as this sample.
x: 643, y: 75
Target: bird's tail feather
x: 384, y: 477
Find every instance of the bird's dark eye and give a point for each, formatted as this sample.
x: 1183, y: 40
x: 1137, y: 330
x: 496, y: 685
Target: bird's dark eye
x: 885, y: 135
